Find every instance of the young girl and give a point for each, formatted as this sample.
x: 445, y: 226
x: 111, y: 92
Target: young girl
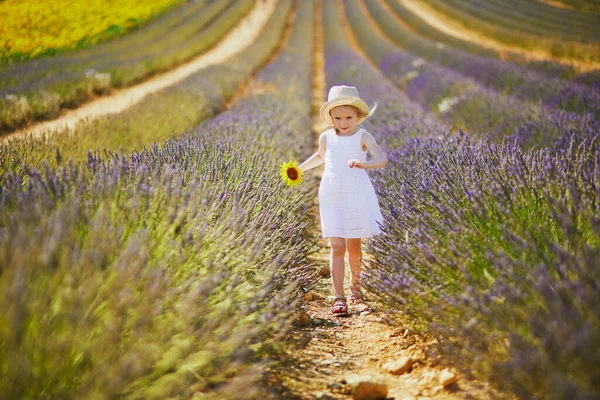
x: 348, y: 205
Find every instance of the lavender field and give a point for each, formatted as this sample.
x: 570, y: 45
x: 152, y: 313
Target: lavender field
x: 156, y: 253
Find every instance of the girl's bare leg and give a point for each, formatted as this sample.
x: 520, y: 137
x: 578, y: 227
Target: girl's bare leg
x: 355, y: 259
x: 336, y: 262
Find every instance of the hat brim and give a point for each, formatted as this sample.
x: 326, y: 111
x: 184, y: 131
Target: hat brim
x: 344, y: 101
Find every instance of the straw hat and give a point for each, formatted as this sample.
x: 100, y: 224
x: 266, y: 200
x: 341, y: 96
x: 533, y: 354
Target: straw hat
x: 343, y: 96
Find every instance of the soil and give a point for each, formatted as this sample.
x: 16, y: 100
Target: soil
x: 240, y: 37
x: 326, y: 352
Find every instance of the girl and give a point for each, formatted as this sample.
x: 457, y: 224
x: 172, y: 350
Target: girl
x: 348, y: 205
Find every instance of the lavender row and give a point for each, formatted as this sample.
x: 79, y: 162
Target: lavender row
x: 569, y: 26
x: 462, y: 100
x: 496, y: 74
x: 165, y: 272
x: 494, y: 250
x: 441, y: 39
x: 534, y: 18
x: 39, y: 89
x: 576, y: 50
x: 169, y: 112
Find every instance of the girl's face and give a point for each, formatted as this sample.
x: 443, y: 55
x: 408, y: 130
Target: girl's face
x: 345, y: 119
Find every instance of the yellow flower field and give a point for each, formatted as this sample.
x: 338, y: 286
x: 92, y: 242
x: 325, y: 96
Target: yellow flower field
x: 33, y: 27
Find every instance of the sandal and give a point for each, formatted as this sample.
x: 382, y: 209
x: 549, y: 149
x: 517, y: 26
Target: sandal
x: 339, y: 306
x: 355, y: 294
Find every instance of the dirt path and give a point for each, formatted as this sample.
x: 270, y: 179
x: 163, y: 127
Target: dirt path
x: 453, y: 28
x: 240, y: 37
x: 327, y: 355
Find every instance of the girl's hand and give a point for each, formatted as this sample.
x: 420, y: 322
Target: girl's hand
x: 354, y: 164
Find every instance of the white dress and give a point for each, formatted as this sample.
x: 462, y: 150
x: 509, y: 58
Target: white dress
x: 347, y: 201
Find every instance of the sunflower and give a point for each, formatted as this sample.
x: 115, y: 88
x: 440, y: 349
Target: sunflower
x: 291, y: 173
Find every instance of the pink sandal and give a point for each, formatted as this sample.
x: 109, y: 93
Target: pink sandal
x: 339, y: 306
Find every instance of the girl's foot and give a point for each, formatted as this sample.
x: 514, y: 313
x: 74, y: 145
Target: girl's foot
x: 339, y: 306
x: 355, y: 294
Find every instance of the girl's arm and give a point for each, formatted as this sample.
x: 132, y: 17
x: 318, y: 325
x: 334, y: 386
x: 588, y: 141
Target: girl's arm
x: 317, y: 158
x: 378, y: 160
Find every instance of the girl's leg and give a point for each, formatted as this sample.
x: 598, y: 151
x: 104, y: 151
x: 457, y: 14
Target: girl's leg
x: 336, y: 262
x: 355, y: 261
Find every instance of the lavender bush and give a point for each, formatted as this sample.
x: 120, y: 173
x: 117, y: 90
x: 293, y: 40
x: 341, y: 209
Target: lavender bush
x: 168, y: 272
x: 163, y: 269
x: 493, y: 249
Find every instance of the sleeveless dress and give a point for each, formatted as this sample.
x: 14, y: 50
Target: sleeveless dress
x: 347, y: 202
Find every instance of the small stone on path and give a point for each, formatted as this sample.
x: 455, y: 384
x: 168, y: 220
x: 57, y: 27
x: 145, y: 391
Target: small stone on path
x: 324, y: 396
x: 324, y: 272
x: 365, y: 388
x: 447, y: 378
x: 399, y: 366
